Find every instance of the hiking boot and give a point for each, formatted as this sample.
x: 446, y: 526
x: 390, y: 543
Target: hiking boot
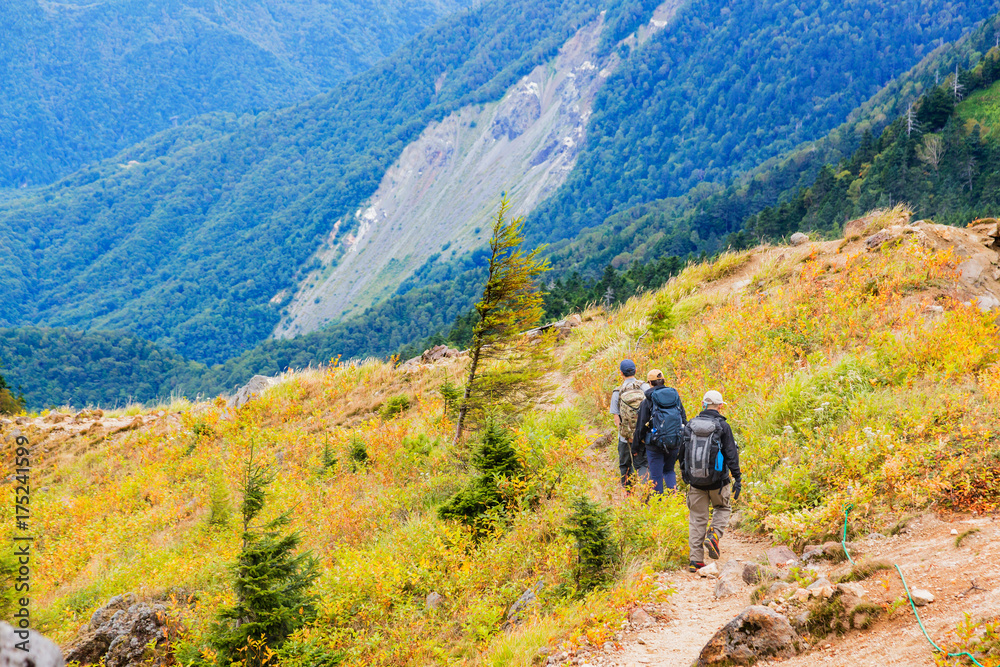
x: 712, y: 544
x: 694, y: 567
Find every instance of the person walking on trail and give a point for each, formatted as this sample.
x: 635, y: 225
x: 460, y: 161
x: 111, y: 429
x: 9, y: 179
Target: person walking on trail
x: 708, y: 455
x: 658, y: 430
x: 625, y: 402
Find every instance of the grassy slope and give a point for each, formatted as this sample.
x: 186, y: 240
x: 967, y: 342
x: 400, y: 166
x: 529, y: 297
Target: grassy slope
x: 842, y: 389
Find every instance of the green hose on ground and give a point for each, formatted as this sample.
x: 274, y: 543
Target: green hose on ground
x: 847, y: 508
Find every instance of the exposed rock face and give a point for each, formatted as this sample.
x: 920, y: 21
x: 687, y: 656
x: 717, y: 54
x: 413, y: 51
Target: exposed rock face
x: 757, y: 633
x: 42, y: 652
x: 526, y: 144
x: 437, y: 353
x: 798, y: 238
x: 252, y: 389
x: 119, y: 633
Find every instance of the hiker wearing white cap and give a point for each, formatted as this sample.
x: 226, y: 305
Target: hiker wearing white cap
x: 708, y: 455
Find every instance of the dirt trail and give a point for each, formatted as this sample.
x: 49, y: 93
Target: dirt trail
x: 694, y: 614
x: 963, y: 579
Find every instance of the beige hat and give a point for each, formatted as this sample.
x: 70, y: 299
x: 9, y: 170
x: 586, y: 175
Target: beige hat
x: 654, y: 374
x: 712, y: 397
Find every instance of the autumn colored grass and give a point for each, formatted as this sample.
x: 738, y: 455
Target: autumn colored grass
x: 843, y: 388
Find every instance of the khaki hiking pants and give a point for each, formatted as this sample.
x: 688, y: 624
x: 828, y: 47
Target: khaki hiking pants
x: 699, y: 505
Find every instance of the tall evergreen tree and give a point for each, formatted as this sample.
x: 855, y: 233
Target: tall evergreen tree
x: 505, y: 368
x: 272, y: 582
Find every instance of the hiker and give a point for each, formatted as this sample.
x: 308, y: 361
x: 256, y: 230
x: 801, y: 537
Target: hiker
x: 708, y: 455
x: 625, y: 402
x: 658, y: 430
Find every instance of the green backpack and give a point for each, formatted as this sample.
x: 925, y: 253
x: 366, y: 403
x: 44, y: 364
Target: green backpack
x: 630, y: 397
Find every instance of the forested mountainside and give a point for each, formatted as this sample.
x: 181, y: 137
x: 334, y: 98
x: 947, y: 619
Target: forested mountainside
x: 728, y: 88
x: 82, y: 80
x: 703, y: 220
x: 247, y: 253
x: 195, y: 238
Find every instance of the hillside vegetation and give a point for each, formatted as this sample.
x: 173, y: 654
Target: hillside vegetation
x: 84, y: 80
x: 724, y: 90
x: 196, y: 239
x: 856, y: 372
x: 710, y: 218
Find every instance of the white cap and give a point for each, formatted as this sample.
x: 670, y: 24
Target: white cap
x: 712, y: 397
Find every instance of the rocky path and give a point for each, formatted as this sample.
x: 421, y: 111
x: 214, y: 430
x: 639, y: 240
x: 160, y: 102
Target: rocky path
x: 963, y: 579
x: 692, y: 616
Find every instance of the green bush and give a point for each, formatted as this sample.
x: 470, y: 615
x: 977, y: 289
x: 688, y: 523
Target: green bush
x: 590, y: 524
x: 395, y: 406
x: 481, y: 503
x: 358, y: 451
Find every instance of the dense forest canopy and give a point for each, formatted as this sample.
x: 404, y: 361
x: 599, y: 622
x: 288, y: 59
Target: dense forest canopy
x: 84, y: 80
x: 725, y: 89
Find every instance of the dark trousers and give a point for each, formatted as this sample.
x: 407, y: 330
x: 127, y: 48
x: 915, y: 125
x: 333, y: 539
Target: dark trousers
x: 661, y: 467
x: 630, y: 467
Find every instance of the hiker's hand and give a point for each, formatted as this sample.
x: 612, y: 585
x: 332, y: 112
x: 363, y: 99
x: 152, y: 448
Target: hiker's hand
x: 737, y: 487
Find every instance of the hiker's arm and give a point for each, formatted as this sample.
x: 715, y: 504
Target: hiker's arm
x: 640, y: 426
x: 732, y: 456
x: 730, y: 453
x: 615, y: 408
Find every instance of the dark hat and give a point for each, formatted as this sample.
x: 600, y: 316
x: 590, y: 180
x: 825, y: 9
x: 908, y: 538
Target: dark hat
x: 628, y: 368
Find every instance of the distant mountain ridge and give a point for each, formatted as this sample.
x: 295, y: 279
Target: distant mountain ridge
x: 83, y: 80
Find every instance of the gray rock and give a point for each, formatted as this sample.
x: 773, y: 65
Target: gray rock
x: 798, y: 238
x: 115, y: 604
x: 755, y: 573
x: 756, y: 634
x: 120, y: 635
x: 813, y: 553
x: 780, y: 555
x: 921, y: 597
x: 42, y: 651
x: 710, y: 570
x: 874, y: 537
x: 525, y: 603
x: 252, y: 389
x: 800, y: 621
x: 730, y: 580
x: 434, y: 600
x: 819, y: 584
x: 987, y: 302
x: 780, y: 588
x: 639, y: 618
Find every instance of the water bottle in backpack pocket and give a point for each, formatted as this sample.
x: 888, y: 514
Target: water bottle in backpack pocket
x: 704, y: 464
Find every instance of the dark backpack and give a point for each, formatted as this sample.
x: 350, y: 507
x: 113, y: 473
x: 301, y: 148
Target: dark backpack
x: 665, y: 422
x: 703, y: 465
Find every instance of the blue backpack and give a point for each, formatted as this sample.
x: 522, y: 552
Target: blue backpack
x: 665, y: 423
